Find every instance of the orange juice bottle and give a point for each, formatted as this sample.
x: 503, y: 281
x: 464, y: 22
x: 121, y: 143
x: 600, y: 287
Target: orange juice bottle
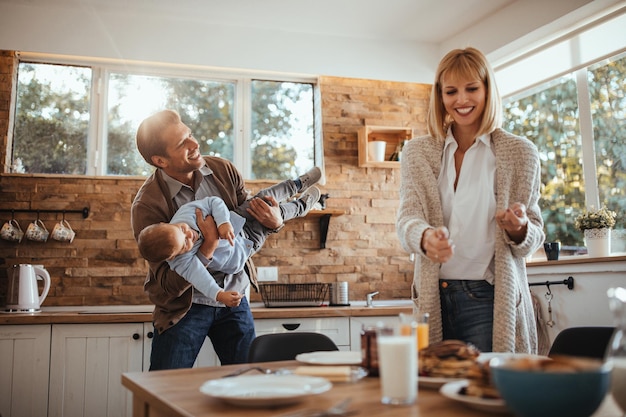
x: 422, y: 332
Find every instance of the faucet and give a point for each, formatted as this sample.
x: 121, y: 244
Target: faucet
x: 368, y: 298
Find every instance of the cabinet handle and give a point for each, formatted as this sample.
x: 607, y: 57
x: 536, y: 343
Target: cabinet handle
x: 136, y: 336
x: 150, y: 335
x: 291, y: 326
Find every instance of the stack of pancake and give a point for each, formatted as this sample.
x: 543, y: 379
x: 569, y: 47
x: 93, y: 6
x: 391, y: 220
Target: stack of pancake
x: 447, y: 359
x: 456, y: 359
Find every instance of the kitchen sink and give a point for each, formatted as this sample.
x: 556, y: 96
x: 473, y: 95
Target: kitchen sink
x: 383, y: 303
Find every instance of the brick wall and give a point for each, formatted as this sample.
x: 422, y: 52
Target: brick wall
x: 102, y: 266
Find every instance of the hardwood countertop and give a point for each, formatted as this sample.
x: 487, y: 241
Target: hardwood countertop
x: 138, y: 314
x: 175, y: 393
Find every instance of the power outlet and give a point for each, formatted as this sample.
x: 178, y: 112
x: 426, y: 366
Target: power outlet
x: 267, y: 273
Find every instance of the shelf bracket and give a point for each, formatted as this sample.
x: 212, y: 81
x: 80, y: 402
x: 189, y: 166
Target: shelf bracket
x: 324, y: 222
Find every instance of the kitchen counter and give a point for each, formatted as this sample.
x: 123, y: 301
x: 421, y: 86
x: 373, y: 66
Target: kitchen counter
x: 143, y: 313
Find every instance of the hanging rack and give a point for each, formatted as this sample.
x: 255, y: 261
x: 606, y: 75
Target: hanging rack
x: 569, y: 281
x: 84, y: 211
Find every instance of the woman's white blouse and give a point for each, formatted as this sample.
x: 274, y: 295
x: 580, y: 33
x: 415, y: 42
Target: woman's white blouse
x: 469, y: 212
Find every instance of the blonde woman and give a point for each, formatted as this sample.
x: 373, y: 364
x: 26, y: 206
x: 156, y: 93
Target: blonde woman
x: 469, y: 209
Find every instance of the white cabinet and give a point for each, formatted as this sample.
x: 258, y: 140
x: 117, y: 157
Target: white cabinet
x: 337, y: 328
x: 357, y: 323
x: 86, y: 366
x: 24, y: 367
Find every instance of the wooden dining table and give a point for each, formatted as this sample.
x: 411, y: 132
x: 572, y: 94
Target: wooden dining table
x: 175, y: 393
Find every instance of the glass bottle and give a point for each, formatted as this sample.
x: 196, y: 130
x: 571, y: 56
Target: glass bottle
x: 617, y: 347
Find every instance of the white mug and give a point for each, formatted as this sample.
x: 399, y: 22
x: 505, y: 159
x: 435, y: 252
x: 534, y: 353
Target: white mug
x: 63, y: 232
x: 12, y: 231
x: 37, y: 231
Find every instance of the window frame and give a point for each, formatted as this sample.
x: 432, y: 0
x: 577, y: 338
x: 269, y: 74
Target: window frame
x: 102, y: 68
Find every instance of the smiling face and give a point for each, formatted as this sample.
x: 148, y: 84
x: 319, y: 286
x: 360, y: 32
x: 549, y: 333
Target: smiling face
x: 182, y: 153
x: 183, y: 238
x: 464, y: 100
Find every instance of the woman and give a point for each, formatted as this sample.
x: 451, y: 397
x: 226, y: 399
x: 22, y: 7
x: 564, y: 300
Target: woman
x: 468, y: 207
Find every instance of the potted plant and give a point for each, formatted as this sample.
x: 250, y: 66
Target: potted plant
x: 596, y: 225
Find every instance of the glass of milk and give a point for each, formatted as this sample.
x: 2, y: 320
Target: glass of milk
x: 397, y: 363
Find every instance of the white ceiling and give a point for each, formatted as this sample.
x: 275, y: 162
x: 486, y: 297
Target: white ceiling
x: 382, y: 39
x: 428, y: 21
x: 431, y: 21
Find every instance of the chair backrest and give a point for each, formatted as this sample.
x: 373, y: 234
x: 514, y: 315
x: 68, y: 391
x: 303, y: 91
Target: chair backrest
x: 591, y: 341
x: 286, y: 346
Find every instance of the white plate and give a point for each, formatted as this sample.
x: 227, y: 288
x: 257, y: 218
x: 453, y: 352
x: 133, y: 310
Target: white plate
x: 451, y: 391
x: 487, y: 356
x: 265, y: 390
x: 433, y: 382
x: 336, y: 357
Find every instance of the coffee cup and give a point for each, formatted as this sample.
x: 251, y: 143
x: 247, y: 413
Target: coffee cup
x: 12, y: 231
x: 37, y: 231
x: 552, y: 250
x: 63, y: 232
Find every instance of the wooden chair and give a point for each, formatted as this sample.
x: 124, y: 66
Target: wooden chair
x: 286, y: 346
x: 589, y: 341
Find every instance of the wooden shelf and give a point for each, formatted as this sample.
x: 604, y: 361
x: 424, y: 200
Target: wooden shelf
x: 324, y: 220
x: 392, y: 135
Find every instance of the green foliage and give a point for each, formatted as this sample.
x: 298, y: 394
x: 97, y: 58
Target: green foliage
x: 51, y: 126
x: 548, y: 116
x: 52, y: 123
x: 602, y: 218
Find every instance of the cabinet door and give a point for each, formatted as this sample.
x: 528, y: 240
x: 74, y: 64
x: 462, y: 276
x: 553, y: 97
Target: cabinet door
x: 337, y: 328
x: 24, y: 365
x: 87, y: 362
x: 357, y: 323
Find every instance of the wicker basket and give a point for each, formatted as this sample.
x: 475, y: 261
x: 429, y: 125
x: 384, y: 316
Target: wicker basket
x: 293, y: 295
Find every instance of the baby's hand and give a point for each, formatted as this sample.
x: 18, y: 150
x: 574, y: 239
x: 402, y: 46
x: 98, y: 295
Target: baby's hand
x: 229, y: 298
x: 226, y: 231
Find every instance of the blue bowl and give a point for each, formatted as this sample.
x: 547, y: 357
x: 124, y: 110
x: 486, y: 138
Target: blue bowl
x: 549, y: 392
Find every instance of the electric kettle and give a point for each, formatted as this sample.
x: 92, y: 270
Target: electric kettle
x: 23, y: 293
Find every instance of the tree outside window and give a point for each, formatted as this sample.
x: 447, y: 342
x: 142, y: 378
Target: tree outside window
x: 57, y: 127
x: 549, y: 115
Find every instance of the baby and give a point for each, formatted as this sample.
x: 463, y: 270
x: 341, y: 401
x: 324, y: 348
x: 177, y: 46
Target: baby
x: 237, y: 235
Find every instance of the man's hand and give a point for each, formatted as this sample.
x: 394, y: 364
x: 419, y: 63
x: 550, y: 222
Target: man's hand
x: 229, y: 298
x: 226, y: 231
x: 208, y: 228
x: 266, y: 211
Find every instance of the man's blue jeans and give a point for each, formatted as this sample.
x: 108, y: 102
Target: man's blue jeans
x: 467, y: 311
x: 231, y: 331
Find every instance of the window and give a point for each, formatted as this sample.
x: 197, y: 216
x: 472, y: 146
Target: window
x: 82, y: 120
x: 578, y: 122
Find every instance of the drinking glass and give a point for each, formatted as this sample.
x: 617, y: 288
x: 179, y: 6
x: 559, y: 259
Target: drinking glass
x: 397, y: 363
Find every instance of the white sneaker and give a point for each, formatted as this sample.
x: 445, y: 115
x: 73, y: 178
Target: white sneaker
x: 310, y: 178
x: 308, y: 199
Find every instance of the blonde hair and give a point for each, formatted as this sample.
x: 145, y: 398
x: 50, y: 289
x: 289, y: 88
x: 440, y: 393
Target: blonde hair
x: 467, y: 63
x: 149, y: 136
x: 157, y: 242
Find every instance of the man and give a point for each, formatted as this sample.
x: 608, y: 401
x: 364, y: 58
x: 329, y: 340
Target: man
x: 183, y: 317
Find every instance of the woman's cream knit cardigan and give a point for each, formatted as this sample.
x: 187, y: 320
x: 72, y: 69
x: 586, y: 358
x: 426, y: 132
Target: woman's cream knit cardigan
x: 518, y: 178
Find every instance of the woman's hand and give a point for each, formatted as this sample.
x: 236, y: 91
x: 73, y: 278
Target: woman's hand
x: 266, y: 211
x: 514, y: 221
x: 437, y: 245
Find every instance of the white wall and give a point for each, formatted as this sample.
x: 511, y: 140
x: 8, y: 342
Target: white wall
x: 80, y: 28
x: 585, y: 305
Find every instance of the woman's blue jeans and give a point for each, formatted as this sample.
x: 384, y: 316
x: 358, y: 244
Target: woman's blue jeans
x: 467, y: 311
x: 231, y: 331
